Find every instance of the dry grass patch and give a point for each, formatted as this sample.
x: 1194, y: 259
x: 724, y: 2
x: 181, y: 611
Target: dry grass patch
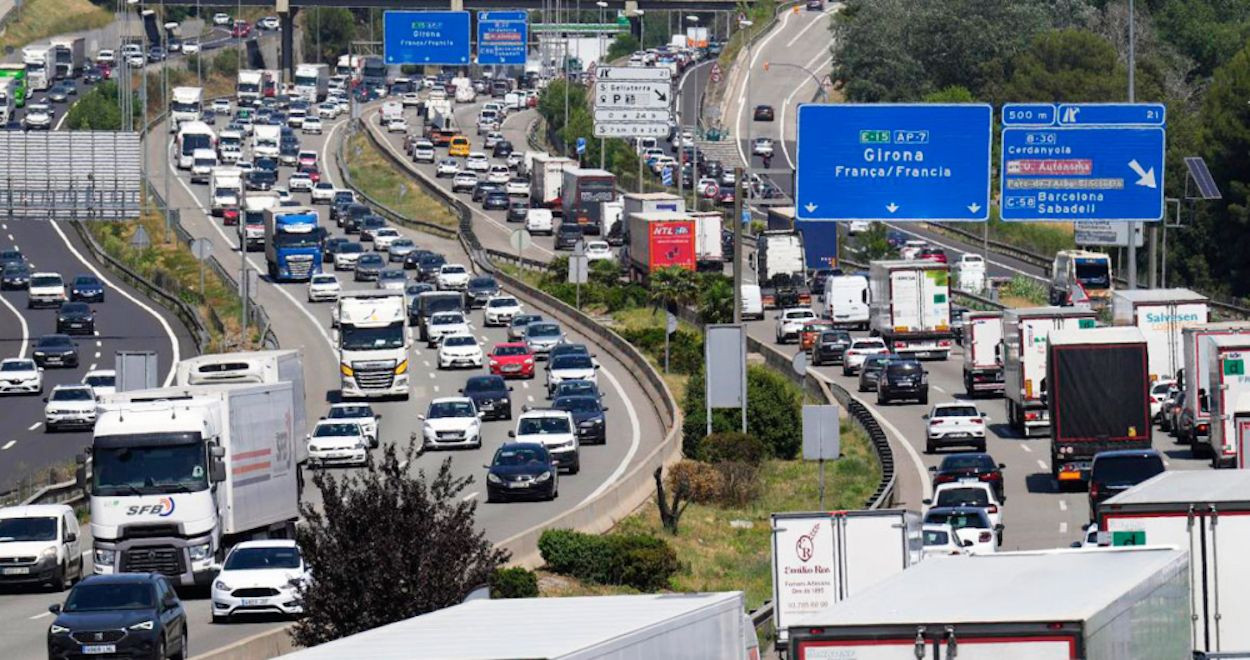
x: 41, y: 19
x: 374, y: 174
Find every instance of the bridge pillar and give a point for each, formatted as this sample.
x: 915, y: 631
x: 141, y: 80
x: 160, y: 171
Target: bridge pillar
x: 287, y: 20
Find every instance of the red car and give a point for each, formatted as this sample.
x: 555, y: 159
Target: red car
x: 312, y: 172
x: 512, y: 360
x: 931, y: 254
x: 230, y: 215
x: 241, y: 30
x: 726, y: 197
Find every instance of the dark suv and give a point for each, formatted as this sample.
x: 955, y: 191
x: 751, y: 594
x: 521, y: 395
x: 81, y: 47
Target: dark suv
x: 829, y: 347
x: 1116, y: 471
x: 870, y: 370
x: 135, y: 615
x: 903, y: 379
x: 971, y: 465
x: 568, y: 235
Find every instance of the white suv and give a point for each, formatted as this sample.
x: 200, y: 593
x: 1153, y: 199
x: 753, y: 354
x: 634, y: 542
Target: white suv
x: 973, y: 493
x: 452, y: 277
x: 45, y: 290
x: 555, y: 430
x: 499, y: 310
x: 854, y: 356
x: 337, y: 441
x: 451, y: 422
x: 423, y: 152
x: 459, y: 350
x: 790, y: 323
x: 955, y: 424
x: 69, y: 405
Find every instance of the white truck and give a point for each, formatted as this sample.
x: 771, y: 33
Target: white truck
x: 1228, y: 399
x: 248, y: 89
x: 1160, y: 314
x: 547, y: 182
x: 709, y: 252
x: 373, y: 340
x: 464, y: 90
x: 8, y: 99
x: 1116, y: 604
x: 186, y: 105
x: 846, y: 300
x: 266, y: 141
x: 312, y: 82
x: 983, y: 365
x: 780, y: 266
x: 39, y: 61
x: 71, y: 55
x: 910, y: 307
x: 256, y: 368
x: 820, y: 559
x: 203, y: 162
x: 1208, y: 515
x: 391, y: 110
x: 612, y: 214
x: 180, y: 474
x: 225, y: 188
x: 254, y: 206
x: 1024, y: 361
x: 1194, y: 422
x: 657, y: 202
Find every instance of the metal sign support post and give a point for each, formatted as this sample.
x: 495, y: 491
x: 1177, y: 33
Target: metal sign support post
x: 737, y: 251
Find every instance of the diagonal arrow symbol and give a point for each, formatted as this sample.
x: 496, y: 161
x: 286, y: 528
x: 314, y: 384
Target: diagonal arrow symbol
x: 1145, y: 177
x: 662, y: 95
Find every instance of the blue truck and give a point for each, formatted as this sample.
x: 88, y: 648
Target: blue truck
x: 820, y: 243
x: 292, y: 243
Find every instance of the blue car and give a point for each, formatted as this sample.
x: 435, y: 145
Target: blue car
x: 87, y: 288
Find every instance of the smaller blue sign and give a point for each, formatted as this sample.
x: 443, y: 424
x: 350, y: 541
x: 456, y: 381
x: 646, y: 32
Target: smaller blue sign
x: 1107, y: 114
x: 581, y: 146
x: 425, y: 37
x: 1028, y: 114
x: 502, y: 37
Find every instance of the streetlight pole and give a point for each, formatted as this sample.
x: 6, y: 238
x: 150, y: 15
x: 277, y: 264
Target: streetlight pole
x: 169, y: 28
x: 1132, y: 226
x: 603, y: 154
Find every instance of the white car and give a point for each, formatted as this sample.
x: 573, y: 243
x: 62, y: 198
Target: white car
x: 477, y: 162
x: 683, y: 139
x: 323, y: 192
x: 662, y: 163
x: 452, y: 277
x: 762, y: 146
x: 337, y: 442
x: 459, y: 351
x: 45, y: 290
x: 554, y: 429
x: 540, y: 221
x: 954, y: 424
x: 853, y: 357
x: 1158, y: 394
x: 360, y: 413
x: 940, y: 540
x: 517, y: 187
x: 570, y: 366
x: 499, y: 174
x: 101, y: 381
x: 396, y: 125
x: 492, y: 138
x: 346, y: 260
x: 38, y: 117
x: 438, y: 94
x: 221, y: 106
x: 324, y: 287
x: 312, y: 125
x: 299, y: 182
x: 383, y: 237
x: 260, y: 577
x: 911, y: 248
x: 515, y: 159
x: 423, y: 152
x: 442, y: 324
x: 410, y: 99
x: 221, y: 19
x: 20, y: 376
x: 970, y: 493
x: 599, y: 251
x: 972, y: 525
x: 499, y: 310
x: 268, y: 23
x: 856, y: 227
x: 449, y: 167
x: 69, y: 405
x: 106, y: 56
x: 451, y: 422
x: 790, y: 323
x: 328, y: 110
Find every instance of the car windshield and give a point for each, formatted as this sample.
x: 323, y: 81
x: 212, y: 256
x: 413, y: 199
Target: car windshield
x: 511, y: 350
x: 460, y: 341
x: 967, y: 462
x: 1093, y: 273
x: 516, y: 456
x: 72, y: 394
x: 101, y: 380
x: 75, y: 308
x: 484, y: 384
x: 27, y: 529
x: 350, y: 412
x: 936, y: 537
x: 1126, y: 470
x: 336, y: 429
x: 107, y: 596
x: 324, y: 279
x: 978, y: 497
x: 956, y: 411
x: 453, y: 270
x: 576, y: 387
x: 391, y: 275
x: 17, y: 365
x: 54, y: 342
x: 501, y: 302
x: 45, y: 280
x: 351, y: 248
x: 958, y: 519
x: 577, y: 404
x: 572, y: 362
x: 835, y: 338
x: 542, y: 330
x: 370, y: 259
x: 524, y: 320
x: 444, y: 409
x: 446, y: 319
x: 482, y: 283
x: 903, y: 368
x: 1161, y: 388
x: 543, y: 426
x: 252, y: 559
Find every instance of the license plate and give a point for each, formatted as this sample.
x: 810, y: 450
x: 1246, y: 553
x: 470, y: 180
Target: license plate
x: 53, y: 359
x: 17, y: 571
x: 517, y: 484
x: 512, y: 367
x: 98, y: 649
x: 254, y: 602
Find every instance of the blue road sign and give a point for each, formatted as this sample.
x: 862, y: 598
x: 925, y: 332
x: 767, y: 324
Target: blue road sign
x: 502, y: 37
x: 425, y: 37
x: 1083, y: 162
x: 667, y: 176
x: 893, y: 162
x: 581, y: 146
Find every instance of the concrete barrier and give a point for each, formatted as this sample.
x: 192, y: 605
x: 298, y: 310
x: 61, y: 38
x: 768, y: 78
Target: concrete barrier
x: 269, y: 644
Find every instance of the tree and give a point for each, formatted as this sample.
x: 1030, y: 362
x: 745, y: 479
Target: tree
x: 623, y: 45
x: 97, y: 110
x: 716, y: 299
x: 386, y: 545
x: 1066, y: 65
x: 328, y: 33
x: 672, y: 286
x: 226, y: 63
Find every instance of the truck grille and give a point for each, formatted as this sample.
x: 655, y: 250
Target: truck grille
x: 375, y: 379
x: 164, y: 559
x: 300, y: 266
x: 254, y: 592
x: 149, y: 531
x: 97, y: 636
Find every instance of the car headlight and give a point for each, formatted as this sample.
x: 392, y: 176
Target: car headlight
x: 544, y: 476
x: 105, y: 556
x: 220, y: 586
x: 346, y: 370
x: 362, y: 444
x: 58, y: 630
x: 200, y: 552
x: 143, y: 625
x: 491, y: 477
x: 39, y: 354
x: 48, y: 553
x: 427, y: 429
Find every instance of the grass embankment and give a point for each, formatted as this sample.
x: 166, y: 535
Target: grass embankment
x: 374, y: 175
x: 41, y: 19
x: 1040, y: 237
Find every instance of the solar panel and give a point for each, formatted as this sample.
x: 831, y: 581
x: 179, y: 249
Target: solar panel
x: 1202, y: 176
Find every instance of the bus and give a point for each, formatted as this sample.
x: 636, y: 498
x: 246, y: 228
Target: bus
x: 193, y: 135
x: 18, y: 73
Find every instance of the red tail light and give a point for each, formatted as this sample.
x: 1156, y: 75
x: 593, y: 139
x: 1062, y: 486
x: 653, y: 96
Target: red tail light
x: 991, y: 476
x: 935, y: 422
x: 1093, y: 489
x: 944, y: 478
x: 977, y: 420
x: 945, y: 343
x: 1203, y: 428
x: 985, y: 537
x: 993, y: 508
x: 1032, y: 416
x: 900, y: 344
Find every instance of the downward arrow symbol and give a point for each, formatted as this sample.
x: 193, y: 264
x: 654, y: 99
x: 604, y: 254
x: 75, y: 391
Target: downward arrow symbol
x: 891, y: 207
x: 1145, y: 177
x: 810, y: 207
x: 974, y: 207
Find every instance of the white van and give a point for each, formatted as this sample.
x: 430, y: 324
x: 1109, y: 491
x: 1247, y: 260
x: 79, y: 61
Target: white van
x: 970, y: 273
x: 846, y: 300
x: 752, y: 302
x: 27, y: 533
x: 202, y: 163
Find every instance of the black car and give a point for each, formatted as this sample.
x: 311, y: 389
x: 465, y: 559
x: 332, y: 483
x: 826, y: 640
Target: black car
x: 156, y: 54
x: 413, y: 259
x: 259, y: 179
x: 483, y: 187
x: 87, y: 288
x: 331, y: 246
x: 1116, y: 471
x: 495, y: 200
x: 764, y: 113
x: 12, y: 256
x: 368, y: 266
x: 342, y: 199
x: 830, y: 346
x: 970, y: 465
x: 502, y: 149
x: 133, y: 615
x: 288, y: 150
x: 75, y: 318
x: 568, y: 388
x: 427, y: 267
x: 567, y: 349
x: 903, y: 379
x: 266, y: 163
x: 92, y: 75
x: 480, y: 289
x: 369, y: 224
x: 349, y: 216
x: 588, y: 417
x: 491, y: 396
x: 56, y: 351
x: 16, y: 276
x: 522, y: 470
x: 517, y: 210
x: 712, y: 168
x: 567, y: 235
x: 870, y: 370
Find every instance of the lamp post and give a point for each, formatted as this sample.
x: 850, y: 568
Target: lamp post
x: 694, y: 151
x: 603, y: 155
x: 169, y: 29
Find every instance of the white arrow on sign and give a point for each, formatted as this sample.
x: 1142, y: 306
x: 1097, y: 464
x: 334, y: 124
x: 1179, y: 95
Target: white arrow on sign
x: 810, y: 207
x: 1145, y: 177
x: 974, y: 207
x: 891, y: 207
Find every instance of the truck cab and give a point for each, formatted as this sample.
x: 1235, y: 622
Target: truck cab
x: 1081, y: 277
x: 373, y: 341
x: 225, y: 188
x: 254, y: 207
x: 186, y: 105
x: 292, y: 242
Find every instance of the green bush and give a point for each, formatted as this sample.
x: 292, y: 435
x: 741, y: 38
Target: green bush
x: 685, y: 351
x: 227, y: 63
x: 513, y: 582
x: 641, y: 561
x: 569, y: 552
x: 774, y: 411
x: 733, y: 446
x: 647, y: 563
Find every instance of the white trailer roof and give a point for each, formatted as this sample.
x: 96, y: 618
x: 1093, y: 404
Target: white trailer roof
x: 1229, y: 341
x: 1187, y: 486
x: 1031, y: 312
x: 1006, y: 587
x: 1160, y: 295
x: 519, y: 627
x: 904, y: 264
x: 1117, y: 335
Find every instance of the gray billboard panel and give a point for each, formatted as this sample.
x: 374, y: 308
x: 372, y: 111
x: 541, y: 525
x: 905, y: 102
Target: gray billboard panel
x: 725, y: 354
x: 822, y: 434
x: 65, y: 175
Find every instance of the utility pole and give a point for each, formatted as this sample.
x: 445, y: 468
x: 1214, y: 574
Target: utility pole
x: 737, y: 255
x: 1132, y: 226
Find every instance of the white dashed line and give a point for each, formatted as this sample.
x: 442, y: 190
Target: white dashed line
x: 426, y: 363
x: 8, y: 444
x: 11, y: 237
x: 1041, y: 464
x: 93, y: 365
x: 433, y: 374
x: 436, y: 388
x: 34, y: 426
x: 939, y: 388
x: 529, y: 397
x: 468, y: 497
x: 40, y: 616
x: 97, y: 355
x: 1026, y: 448
x: 21, y: 321
x: 525, y: 384
x: 1063, y: 505
x: 1063, y: 528
x: 98, y: 344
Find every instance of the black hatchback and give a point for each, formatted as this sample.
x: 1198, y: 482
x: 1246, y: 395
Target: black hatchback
x: 75, y: 318
x: 1116, y: 471
x: 903, y: 379
x: 589, y: 417
x: 479, y: 290
x: 568, y: 235
x: 56, y: 351
x: 522, y: 470
x: 491, y: 396
x: 830, y: 346
x: 971, y: 465
x: 132, y: 615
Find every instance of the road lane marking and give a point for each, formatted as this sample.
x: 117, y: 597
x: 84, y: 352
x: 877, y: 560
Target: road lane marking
x: 530, y: 398
x: 11, y: 237
x: 433, y: 374
x: 97, y: 355
x: 781, y: 127
x: 470, y: 496
x: 169, y: 331
x: 34, y: 426
x: 436, y: 388
x: 1063, y: 528
x: 8, y: 444
x: 21, y: 321
x: 635, y: 438
x: 805, y: 29
x: 426, y: 363
x: 1063, y: 505
x: 939, y: 388
x: 98, y: 343
x: 525, y: 384
x: 39, y: 616
x: 92, y: 367
x: 1041, y: 464
x: 926, y: 483
x: 1026, y: 448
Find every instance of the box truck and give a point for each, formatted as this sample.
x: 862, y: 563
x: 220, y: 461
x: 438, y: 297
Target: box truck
x: 1098, y: 394
x: 1122, y: 604
x: 613, y: 215
x: 582, y: 193
x: 660, y: 240
x: 1206, y: 514
x: 254, y: 206
x: 179, y: 474
x: 1195, y: 420
x: 781, y: 269
x: 1228, y: 398
x: 186, y: 105
x: 38, y: 61
x: 982, y: 340
x: 253, y: 367
x: 71, y: 55
x: 822, y: 558
x: 820, y: 244
x: 911, y: 307
x: 1024, y: 361
x: 651, y: 203
x: 248, y: 87
x: 312, y: 82
x: 709, y: 250
x: 1160, y: 314
x: 225, y: 188
x: 547, y: 182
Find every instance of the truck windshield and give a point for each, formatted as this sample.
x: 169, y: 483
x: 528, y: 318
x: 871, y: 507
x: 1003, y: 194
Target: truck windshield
x: 193, y: 141
x: 249, y: 87
x: 184, y: 107
x: 1093, y: 273
x: 306, y: 80
x: 134, y: 468
x: 368, y: 339
x: 305, y: 240
x: 27, y: 529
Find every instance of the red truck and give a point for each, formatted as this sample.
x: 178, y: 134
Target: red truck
x: 660, y: 240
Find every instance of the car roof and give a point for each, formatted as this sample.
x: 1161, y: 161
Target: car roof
x: 267, y: 543
x: 954, y: 404
x: 120, y: 578
x: 34, y: 510
x: 545, y: 412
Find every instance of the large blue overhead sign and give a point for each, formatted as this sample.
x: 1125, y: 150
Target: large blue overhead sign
x: 893, y: 162
x: 1085, y: 161
x: 502, y: 37
x: 425, y: 37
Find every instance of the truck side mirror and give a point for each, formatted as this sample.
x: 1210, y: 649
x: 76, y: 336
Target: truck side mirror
x: 217, y: 451
x: 217, y: 471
